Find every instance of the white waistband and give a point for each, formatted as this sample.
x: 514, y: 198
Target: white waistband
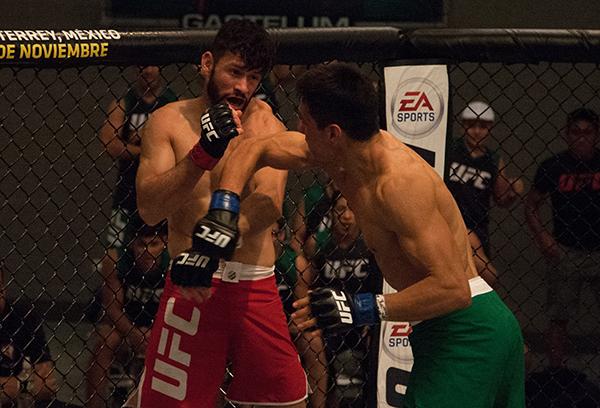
x: 479, y: 286
x: 237, y: 271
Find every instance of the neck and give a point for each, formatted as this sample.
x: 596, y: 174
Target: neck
x: 474, y: 148
x: 357, y: 160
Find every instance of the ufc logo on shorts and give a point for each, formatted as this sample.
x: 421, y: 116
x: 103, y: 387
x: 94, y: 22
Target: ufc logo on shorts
x: 219, y: 239
x: 342, y: 304
x: 208, y: 127
x: 197, y: 260
x: 171, y: 361
x: 415, y: 100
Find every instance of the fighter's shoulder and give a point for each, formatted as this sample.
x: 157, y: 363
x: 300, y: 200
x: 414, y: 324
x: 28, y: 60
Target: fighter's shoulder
x: 178, y: 109
x: 174, y: 115
x: 259, y: 115
x: 404, y: 175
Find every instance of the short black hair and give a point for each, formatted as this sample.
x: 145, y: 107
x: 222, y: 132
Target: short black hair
x: 582, y: 114
x: 248, y: 40
x: 340, y: 93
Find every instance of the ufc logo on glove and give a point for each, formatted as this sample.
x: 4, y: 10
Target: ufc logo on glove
x: 208, y: 127
x: 342, y: 305
x: 218, y: 238
x: 196, y: 260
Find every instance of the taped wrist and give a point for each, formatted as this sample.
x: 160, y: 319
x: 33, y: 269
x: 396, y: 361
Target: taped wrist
x: 365, y: 310
x: 381, y: 307
x: 201, y: 158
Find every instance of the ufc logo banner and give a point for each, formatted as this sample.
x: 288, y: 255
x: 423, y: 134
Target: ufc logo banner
x: 416, y: 99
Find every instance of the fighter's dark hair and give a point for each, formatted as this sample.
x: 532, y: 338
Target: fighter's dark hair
x: 339, y: 93
x: 248, y: 40
x: 583, y: 114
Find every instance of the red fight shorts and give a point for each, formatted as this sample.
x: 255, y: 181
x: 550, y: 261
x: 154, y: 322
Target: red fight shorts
x: 242, y: 322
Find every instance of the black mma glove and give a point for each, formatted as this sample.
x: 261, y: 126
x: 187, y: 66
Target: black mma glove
x: 217, y: 128
x: 193, y: 269
x: 214, y: 237
x: 338, y: 311
x: 217, y: 233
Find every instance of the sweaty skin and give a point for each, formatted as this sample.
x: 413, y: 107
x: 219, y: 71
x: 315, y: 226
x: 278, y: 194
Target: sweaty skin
x: 408, y: 218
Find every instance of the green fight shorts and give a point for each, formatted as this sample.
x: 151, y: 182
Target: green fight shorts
x: 469, y: 358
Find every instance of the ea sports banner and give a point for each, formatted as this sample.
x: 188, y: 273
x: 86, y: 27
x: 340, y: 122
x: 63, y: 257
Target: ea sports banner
x: 416, y: 103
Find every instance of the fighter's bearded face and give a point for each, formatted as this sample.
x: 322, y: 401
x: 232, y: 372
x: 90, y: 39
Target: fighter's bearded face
x: 231, y: 82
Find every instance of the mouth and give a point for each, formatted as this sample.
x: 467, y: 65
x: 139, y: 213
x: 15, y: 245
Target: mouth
x: 236, y: 102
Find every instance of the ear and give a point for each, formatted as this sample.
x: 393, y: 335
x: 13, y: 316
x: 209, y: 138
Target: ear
x: 206, y: 64
x: 334, y: 133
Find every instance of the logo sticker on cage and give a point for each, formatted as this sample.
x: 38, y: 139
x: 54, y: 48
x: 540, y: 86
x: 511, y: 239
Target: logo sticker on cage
x: 417, y: 107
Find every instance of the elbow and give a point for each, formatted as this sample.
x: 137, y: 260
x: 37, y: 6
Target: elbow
x: 463, y: 297
x: 459, y: 296
x: 465, y: 300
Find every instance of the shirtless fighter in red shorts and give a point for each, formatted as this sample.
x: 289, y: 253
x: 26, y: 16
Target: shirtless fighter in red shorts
x: 235, y: 314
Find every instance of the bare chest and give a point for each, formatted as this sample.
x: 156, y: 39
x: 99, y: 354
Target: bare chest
x: 383, y: 242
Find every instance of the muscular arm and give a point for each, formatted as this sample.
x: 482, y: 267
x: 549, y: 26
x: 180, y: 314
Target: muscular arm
x: 426, y: 242
x: 261, y: 208
x: 163, y: 184
x: 111, y: 134
x: 283, y: 150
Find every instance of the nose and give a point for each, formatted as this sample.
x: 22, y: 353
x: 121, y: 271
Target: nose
x: 347, y: 216
x: 242, y: 85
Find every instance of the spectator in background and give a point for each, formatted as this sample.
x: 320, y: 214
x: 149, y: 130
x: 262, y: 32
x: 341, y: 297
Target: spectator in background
x: 340, y: 259
x: 26, y: 366
x: 130, y: 296
x: 289, y: 265
x: 121, y: 137
x: 571, y: 179
x: 310, y: 214
x: 475, y: 175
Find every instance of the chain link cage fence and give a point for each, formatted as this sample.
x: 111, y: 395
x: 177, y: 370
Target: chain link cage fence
x: 59, y: 178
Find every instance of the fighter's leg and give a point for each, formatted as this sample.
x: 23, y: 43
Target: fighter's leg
x: 186, y: 354
x: 262, y: 351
